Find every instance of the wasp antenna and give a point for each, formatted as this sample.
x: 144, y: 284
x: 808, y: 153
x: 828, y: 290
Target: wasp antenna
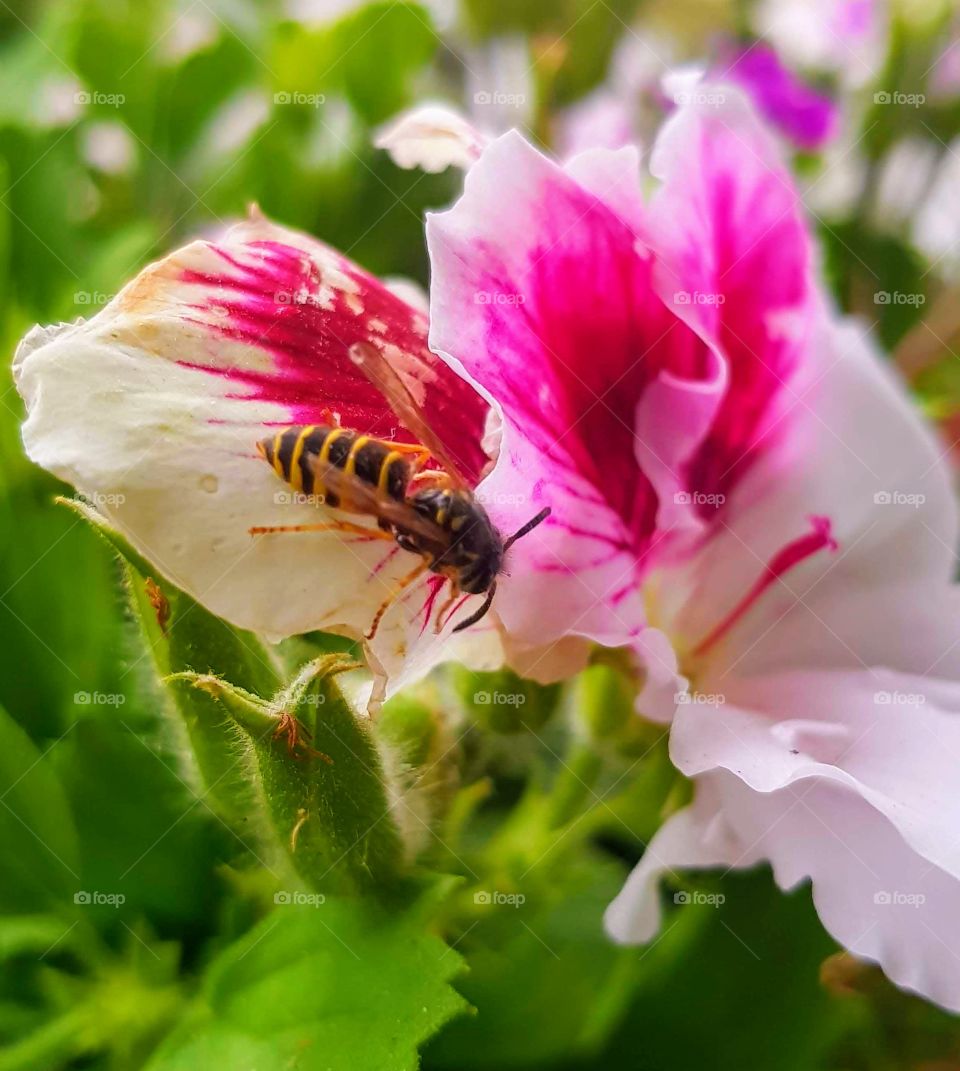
x: 528, y: 527
x: 474, y: 618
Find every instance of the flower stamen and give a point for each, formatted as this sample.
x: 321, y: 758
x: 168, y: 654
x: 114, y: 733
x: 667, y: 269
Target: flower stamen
x: 795, y: 552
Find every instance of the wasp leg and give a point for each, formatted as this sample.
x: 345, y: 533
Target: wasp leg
x: 409, y: 448
x: 330, y: 526
x: 405, y: 582
x: 437, y: 477
x: 447, y: 607
x: 420, y: 454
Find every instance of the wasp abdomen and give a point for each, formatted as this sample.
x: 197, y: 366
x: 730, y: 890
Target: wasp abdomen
x: 294, y: 453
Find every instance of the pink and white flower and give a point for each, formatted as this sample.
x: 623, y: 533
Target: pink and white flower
x: 744, y: 495
x: 153, y: 409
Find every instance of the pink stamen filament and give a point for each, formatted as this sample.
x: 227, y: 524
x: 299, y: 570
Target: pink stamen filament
x: 783, y: 561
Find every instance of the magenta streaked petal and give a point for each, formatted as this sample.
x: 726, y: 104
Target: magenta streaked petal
x: 674, y: 416
x: 735, y: 261
x: 613, y: 177
x: 302, y: 305
x: 542, y: 290
x: 856, y: 442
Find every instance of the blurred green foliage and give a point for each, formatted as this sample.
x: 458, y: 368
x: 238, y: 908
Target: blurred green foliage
x: 139, y: 926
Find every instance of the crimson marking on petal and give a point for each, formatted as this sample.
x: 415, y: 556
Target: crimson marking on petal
x: 795, y: 552
x: 601, y: 537
x: 621, y: 593
x: 568, y: 569
x: 453, y: 613
x: 306, y: 311
x: 435, y: 583
x: 388, y: 557
x: 569, y: 489
x: 573, y: 388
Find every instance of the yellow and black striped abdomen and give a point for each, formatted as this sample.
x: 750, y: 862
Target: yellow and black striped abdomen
x: 293, y: 454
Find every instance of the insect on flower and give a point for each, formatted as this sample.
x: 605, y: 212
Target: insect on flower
x: 432, y: 513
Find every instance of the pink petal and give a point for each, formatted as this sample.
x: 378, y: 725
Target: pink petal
x: 860, y: 455
x: 735, y: 261
x: 694, y: 838
x: 604, y: 120
x: 542, y: 292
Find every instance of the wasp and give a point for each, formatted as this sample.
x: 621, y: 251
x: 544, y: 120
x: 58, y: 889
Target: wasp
x: 430, y: 512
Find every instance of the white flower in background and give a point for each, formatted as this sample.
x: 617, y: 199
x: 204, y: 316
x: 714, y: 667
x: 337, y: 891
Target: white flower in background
x: 849, y: 38
x: 936, y: 226
x: 109, y: 147
x: 191, y: 30
x: 431, y: 137
x: 499, y: 96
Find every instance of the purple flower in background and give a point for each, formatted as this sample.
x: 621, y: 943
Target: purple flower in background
x: 806, y: 116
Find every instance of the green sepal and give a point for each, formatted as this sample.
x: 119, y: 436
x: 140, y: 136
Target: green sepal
x: 320, y: 775
x: 410, y: 726
x: 604, y: 700
x: 183, y: 637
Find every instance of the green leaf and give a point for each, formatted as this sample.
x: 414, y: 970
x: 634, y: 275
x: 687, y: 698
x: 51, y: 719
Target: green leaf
x: 545, y: 979
x: 370, y: 55
x: 340, y: 986
x: 33, y: 935
x: 49, y: 655
x: 143, y: 833
x: 502, y: 702
x: 38, y: 864
x: 113, y: 50
x: 876, y: 275
x: 747, y: 973
x: 31, y: 77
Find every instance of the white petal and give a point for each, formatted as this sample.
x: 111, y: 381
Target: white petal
x: 431, y: 137
x: 154, y: 407
x: 846, y: 779
x: 875, y: 895
x: 695, y: 837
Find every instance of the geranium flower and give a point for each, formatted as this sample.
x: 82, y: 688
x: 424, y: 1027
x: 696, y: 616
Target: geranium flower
x: 154, y: 407
x: 740, y: 491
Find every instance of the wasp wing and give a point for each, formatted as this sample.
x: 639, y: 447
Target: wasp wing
x: 378, y: 370
x: 357, y: 496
